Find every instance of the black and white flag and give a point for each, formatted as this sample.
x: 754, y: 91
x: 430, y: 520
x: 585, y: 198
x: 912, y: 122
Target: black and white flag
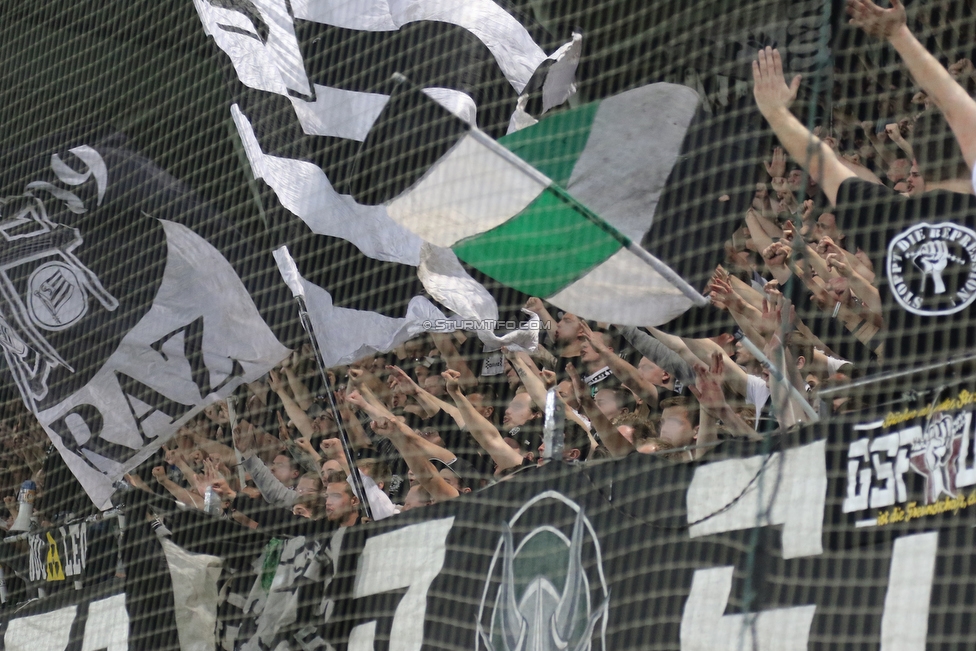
x: 118, y: 322
x: 312, y: 87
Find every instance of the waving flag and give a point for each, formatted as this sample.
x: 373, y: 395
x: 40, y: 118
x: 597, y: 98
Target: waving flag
x: 556, y: 221
x: 307, y: 98
x: 119, y: 321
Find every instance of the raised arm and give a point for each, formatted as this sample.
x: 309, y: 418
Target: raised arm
x: 703, y: 349
x: 711, y: 397
x: 623, y: 370
x: 864, y: 290
x: 956, y: 105
x: 302, y: 395
x: 298, y: 417
x: 774, y: 97
x: 480, y: 428
x: 654, y: 350
x: 407, y: 443
x: 547, y: 323
x: 535, y: 386
x: 454, y: 360
x: 177, y: 491
x: 429, y: 402
x: 746, y: 316
x: 761, y: 229
x: 610, y: 435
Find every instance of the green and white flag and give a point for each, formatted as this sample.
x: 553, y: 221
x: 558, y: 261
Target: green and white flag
x: 555, y: 219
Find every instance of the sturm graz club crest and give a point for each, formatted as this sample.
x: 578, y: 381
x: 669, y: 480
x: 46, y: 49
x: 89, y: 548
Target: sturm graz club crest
x: 546, y: 590
x: 44, y: 287
x: 72, y: 222
x: 931, y: 268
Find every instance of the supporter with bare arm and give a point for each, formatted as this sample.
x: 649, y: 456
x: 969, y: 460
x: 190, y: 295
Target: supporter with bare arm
x: 695, y: 351
x: 480, y: 428
x: 952, y: 99
x: 296, y: 414
x: 749, y: 294
x: 761, y: 229
x: 623, y: 371
x: 864, y: 290
x: 181, y: 494
x: 354, y: 429
x: 611, y: 437
x: 298, y: 389
x: 774, y: 98
x: 725, y: 298
x: 826, y: 245
x: 708, y: 390
x: 453, y: 359
x: 216, y: 449
x: 430, y: 403
x: 371, y: 405
x: 176, y: 458
x: 535, y: 305
x: 407, y: 442
x: 535, y: 386
x: 785, y: 403
x: 415, y: 450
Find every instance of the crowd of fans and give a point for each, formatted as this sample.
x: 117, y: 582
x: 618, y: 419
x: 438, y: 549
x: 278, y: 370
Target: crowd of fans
x: 440, y: 416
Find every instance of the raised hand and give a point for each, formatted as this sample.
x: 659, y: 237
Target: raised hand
x: 961, y: 69
x: 283, y: 432
x: 776, y: 254
x: 777, y: 166
x: 770, y: 89
x: 839, y: 263
x: 159, y: 474
x: 827, y: 246
x: 549, y: 377
x: 356, y: 398
x: 399, y: 377
x: 243, y: 436
x: 789, y: 231
x: 355, y: 376
x: 722, y: 295
x: 452, y: 381
x: 331, y: 448
x: 383, y: 426
x: 535, y: 305
x: 708, y: 384
x: 578, y: 387
x: 875, y: 21
x: 274, y: 381
x: 595, y: 339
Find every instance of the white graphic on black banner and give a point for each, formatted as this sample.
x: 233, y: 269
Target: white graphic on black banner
x: 941, y: 451
x: 201, y: 338
x: 43, y: 287
x: 931, y: 268
x: 539, y: 593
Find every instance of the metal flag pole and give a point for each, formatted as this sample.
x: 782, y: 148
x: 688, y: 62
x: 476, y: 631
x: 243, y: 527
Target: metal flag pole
x: 289, y: 272
x: 554, y: 435
x: 777, y: 376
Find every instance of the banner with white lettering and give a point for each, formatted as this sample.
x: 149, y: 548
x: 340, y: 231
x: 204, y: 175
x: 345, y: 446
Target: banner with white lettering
x: 118, y: 321
x: 754, y: 547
